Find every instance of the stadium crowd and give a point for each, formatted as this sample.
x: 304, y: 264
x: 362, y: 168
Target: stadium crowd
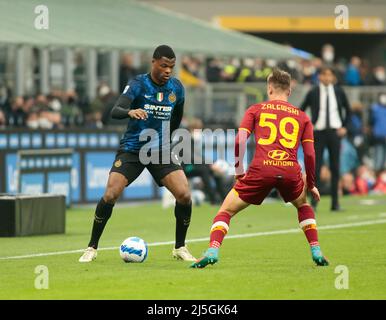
x: 355, y: 72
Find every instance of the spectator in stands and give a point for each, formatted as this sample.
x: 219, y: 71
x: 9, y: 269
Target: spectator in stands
x: 213, y: 70
x: 352, y: 76
x: 262, y: 69
x: 377, y: 77
x: 380, y: 186
x: 364, y: 70
x: 291, y: 66
x: 328, y: 54
x: 340, y: 70
x: 189, y: 73
x: 33, y: 117
x: 308, y: 72
x: 325, y: 180
x: 108, y: 98
x: 365, y: 180
x: 356, y: 130
x: 378, y: 121
x: 5, y: 98
x: 70, y: 111
x: 3, y: 120
x: 18, y: 113
x: 98, y: 107
x: 246, y: 72
x: 4, y: 106
x: 49, y: 110
x: 127, y: 71
x: 349, y: 157
x: 80, y: 77
x: 347, y: 184
x: 231, y: 70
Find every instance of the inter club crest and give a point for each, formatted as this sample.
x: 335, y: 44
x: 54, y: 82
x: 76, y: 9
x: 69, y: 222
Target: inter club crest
x: 160, y: 96
x: 172, y: 97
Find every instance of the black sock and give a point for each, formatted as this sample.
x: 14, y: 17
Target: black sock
x: 102, y: 215
x: 182, y: 213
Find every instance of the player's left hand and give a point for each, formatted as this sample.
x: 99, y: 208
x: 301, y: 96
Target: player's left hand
x: 315, y: 193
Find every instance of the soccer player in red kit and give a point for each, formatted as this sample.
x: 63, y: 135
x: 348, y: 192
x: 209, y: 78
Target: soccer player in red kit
x: 279, y: 128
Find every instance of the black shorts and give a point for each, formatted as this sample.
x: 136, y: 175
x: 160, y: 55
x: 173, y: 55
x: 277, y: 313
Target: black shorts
x: 129, y: 165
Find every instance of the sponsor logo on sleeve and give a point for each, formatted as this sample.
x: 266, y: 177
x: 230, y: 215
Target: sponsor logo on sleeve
x: 118, y: 163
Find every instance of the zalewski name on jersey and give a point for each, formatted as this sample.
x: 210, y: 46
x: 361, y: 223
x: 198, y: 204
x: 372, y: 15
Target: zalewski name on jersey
x: 282, y: 107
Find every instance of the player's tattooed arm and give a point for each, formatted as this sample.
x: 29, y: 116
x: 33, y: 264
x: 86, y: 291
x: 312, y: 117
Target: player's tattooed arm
x: 121, y: 110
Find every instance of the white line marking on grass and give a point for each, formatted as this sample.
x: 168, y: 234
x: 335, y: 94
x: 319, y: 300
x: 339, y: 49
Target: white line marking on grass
x: 236, y: 236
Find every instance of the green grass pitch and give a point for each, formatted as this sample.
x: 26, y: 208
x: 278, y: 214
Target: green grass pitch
x: 265, y: 265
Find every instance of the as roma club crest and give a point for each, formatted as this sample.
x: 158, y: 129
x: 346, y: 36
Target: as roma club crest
x: 117, y: 163
x: 160, y: 96
x: 172, y: 97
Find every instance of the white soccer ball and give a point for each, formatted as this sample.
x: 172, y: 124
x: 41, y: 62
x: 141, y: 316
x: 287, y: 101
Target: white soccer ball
x: 133, y: 249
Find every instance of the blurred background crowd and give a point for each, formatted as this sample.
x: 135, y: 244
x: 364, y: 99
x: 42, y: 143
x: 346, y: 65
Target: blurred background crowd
x: 74, y: 108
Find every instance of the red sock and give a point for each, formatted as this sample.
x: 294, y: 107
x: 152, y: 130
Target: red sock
x: 307, y: 222
x: 219, y: 229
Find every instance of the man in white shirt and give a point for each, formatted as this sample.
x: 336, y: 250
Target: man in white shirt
x: 330, y: 112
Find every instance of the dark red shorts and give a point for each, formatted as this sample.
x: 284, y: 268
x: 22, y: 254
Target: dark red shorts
x: 255, y: 188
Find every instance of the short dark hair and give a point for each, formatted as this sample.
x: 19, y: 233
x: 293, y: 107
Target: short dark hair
x: 323, y: 69
x: 279, y: 79
x: 163, y: 51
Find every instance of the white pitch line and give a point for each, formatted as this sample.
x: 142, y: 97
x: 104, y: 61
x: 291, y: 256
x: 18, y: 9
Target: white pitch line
x: 236, y: 236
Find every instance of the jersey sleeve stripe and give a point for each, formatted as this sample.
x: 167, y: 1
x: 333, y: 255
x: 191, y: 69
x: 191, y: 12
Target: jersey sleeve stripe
x: 245, y: 129
x: 308, y: 140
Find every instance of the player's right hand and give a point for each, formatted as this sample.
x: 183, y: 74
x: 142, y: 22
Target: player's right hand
x: 315, y: 193
x: 139, y: 114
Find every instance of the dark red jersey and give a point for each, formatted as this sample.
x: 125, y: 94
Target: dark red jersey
x: 279, y: 129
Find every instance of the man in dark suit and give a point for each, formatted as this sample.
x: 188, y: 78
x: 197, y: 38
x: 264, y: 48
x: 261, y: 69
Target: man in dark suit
x: 330, y: 112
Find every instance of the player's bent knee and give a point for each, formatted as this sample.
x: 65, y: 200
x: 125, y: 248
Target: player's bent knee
x: 111, y: 196
x: 183, y: 197
x: 300, y: 201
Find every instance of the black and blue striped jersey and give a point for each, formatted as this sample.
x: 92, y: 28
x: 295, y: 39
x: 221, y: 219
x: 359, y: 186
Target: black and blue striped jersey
x: 160, y: 102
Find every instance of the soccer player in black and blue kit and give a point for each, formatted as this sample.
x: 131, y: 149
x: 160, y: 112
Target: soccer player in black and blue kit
x: 152, y: 101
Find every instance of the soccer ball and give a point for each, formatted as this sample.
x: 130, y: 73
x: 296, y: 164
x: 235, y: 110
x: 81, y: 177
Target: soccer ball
x: 133, y: 249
